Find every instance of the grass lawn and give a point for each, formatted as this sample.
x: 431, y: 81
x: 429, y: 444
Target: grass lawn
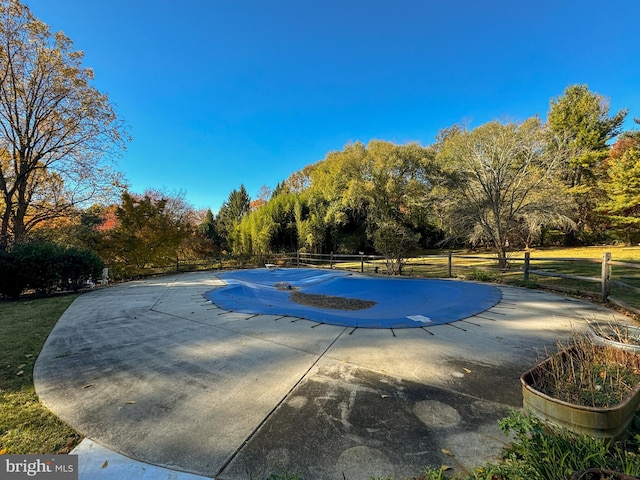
x: 26, y: 425
x: 546, y: 259
x: 618, y: 252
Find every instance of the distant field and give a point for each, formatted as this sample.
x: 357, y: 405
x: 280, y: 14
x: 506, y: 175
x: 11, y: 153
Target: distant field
x: 619, y: 273
x: 625, y: 254
x: 618, y: 252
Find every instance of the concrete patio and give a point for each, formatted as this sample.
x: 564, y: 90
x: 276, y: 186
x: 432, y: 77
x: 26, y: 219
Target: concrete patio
x: 153, y: 371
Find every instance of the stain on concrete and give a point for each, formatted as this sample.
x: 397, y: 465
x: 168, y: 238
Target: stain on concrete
x: 359, y: 424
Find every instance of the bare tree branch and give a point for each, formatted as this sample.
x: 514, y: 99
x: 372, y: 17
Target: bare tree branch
x: 58, y: 134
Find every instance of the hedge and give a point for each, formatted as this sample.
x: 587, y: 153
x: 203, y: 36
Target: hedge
x: 45, y: 268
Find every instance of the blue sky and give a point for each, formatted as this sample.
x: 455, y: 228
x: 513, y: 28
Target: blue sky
x: 219, y: 93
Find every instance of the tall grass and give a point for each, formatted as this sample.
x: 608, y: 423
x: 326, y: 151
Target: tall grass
x: 586, y: 374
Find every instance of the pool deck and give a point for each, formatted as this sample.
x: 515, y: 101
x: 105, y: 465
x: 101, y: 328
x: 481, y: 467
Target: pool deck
x: 153, y: 371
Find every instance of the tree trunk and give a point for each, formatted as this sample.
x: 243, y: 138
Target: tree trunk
x: 19, y: 227
x: 502, y: 258
x: 543, y: 235
x: 4, y: 229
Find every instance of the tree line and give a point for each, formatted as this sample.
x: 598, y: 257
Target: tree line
x: 499, y: 185
x: 573, y: 178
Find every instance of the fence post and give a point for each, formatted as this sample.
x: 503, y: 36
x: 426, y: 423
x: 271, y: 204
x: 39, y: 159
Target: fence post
x: 525, y: 268
x: 361, y: 262
x: 331, y: 261
x: 606, y: 275
x: 220, y: 265
x: 449, y: 266
x: 177, y: 265
x: 298, y: 259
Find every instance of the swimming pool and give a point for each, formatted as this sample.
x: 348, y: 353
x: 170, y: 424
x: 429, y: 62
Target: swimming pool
x: 397, y: 302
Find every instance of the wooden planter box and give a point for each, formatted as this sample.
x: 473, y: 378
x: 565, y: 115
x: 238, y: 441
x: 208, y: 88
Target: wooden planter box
x: 598, y: 422
x: 625, y: 337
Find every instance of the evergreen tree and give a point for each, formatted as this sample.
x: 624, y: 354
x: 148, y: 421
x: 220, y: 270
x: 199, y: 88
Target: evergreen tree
x: 580, y: 121
x: 622, y: 188
x: 237, y: 205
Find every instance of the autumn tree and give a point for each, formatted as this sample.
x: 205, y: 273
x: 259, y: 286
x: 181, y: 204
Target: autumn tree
x: 297, y: 182
x: 149, y: 231
x: 501, y: 179
x: 261, y: 199
x: 77, y: 228
x: 201, y: 240
x: 56, y: 130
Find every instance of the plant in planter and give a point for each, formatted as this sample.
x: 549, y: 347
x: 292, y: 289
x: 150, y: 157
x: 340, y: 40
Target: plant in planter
x: 586, y: 388
x: 615, y: 334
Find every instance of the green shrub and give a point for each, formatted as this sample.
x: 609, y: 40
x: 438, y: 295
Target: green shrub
x: 523, y: 283
x: 12, y: 280
x: 39, y: 264
x: 45, y: 267
x: 481, y: 276
x: 285, y: 476
x: 539, y: 451
x: 554, y: 454
x: 77, y: 267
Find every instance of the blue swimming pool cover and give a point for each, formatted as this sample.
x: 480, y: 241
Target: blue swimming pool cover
x: 400, y: 302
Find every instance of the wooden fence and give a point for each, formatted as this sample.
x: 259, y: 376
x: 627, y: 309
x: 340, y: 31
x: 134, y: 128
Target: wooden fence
x: 619, y: 283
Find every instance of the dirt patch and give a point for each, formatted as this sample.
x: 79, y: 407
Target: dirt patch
x: 284, y: 286
x: 328, y: 301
